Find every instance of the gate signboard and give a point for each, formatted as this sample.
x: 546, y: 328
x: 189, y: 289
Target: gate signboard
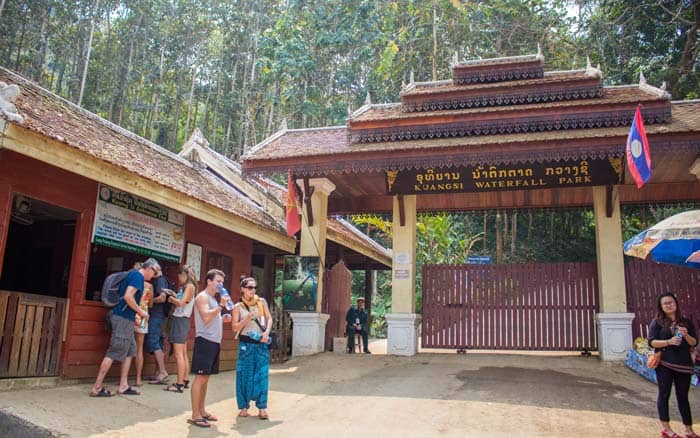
x: 485, y: 178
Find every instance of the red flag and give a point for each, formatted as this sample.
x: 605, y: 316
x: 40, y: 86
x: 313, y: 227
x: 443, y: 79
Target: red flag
x: 293, y: 223
x: 638, y: 155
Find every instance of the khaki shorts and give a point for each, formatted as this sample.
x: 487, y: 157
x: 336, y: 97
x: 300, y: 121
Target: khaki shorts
x: 122, y: 344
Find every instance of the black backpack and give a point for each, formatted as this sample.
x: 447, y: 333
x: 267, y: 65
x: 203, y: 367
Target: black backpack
x: 110, y: 288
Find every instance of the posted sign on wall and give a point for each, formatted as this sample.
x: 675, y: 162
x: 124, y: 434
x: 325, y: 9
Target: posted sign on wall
x: 127, y: 222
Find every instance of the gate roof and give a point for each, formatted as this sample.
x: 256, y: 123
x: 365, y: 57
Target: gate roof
x: 492, y: 112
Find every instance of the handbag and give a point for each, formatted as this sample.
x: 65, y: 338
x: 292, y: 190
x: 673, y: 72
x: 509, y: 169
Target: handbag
x: 274, y: 340
x: 654, y: 360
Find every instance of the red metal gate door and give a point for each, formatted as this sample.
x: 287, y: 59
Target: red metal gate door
x: 510, y: 307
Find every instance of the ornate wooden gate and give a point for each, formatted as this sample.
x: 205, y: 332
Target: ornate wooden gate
x: 510, y: 307
x: 31, y: 332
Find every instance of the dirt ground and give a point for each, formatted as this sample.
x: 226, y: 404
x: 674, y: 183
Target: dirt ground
x: 428, y: 395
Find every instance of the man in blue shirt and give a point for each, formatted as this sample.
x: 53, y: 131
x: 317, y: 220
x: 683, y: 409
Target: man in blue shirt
x: 122, y: 345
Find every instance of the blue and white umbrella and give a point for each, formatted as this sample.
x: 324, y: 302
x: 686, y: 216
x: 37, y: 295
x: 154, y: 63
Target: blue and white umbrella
x: 675, y: 240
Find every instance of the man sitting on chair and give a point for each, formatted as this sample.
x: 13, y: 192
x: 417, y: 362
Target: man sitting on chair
x: 357, y: 322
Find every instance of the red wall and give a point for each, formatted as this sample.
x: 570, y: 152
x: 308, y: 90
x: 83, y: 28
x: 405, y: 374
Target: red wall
x: 86, y: 340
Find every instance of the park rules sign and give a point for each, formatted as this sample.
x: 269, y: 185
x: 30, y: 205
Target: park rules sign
x: 130, y: 223
x: 486, y: 178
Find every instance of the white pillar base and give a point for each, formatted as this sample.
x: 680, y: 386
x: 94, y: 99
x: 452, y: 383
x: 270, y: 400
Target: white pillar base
x: 402, y: 333
x: 309, y: 333
x: 614, y: 335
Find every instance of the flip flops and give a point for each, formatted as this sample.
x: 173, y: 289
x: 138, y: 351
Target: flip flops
x: 199, y: 422
x: 174, y: 387
x: 129, y: 391
x: 102, y: 393
x: 161, y: 381
x: 210, y: 417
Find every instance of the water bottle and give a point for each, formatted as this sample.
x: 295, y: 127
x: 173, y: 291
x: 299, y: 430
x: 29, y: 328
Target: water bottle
x: 224, y: 294
x: 257, y: 337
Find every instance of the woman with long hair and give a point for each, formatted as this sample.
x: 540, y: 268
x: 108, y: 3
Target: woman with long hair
x: 180, y: 325
x: 141, y: 330
x: 252, y: 321
x: 674, y: 336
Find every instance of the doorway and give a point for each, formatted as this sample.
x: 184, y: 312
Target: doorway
x: 34, y: 287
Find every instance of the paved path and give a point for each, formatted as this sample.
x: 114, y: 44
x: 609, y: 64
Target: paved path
x: 362, y: 396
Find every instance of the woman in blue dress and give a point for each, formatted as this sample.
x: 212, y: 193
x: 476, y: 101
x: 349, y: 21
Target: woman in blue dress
x: 252, y: 321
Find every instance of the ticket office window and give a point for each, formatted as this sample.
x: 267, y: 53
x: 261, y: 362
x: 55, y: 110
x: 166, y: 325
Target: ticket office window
x: 38, y: 248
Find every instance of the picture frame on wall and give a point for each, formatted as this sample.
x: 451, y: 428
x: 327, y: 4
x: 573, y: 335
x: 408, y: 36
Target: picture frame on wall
x: 193, y: 258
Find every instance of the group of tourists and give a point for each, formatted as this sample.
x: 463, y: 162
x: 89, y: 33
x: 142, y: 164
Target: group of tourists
x: 138, y: 319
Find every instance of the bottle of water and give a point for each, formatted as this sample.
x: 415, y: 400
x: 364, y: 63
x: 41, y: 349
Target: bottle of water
x: 258, y: 337
x: 224, y: 294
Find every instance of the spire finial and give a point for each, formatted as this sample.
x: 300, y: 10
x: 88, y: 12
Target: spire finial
x: 588, y: 63
x: 539, y: 52
x: 368, y: 99
x: 283, y: 125
x: 410, y: 80
x: 455, y: 58
x: 642, y: 79
x: 349, y: 111
x: 663, y: 85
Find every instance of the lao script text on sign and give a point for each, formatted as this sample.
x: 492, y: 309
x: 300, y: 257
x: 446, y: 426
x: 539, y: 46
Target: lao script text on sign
x: 134, y: 224
x: 484, y: 178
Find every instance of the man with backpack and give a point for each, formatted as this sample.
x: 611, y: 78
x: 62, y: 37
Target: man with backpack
x: 122, y: 344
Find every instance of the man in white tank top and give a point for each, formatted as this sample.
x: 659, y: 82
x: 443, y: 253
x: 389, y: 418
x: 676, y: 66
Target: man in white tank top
x: 207, y: 344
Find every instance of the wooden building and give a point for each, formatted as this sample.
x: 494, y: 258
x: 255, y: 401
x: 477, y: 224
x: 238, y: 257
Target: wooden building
x: 501, y: 133
x: 64, y: 172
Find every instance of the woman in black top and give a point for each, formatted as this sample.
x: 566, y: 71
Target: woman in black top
x: 674, y: 336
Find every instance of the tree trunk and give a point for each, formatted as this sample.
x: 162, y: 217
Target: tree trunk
x: 514, y: 234
x: 2, y: 5
x: 506, y: 226
x: 89, y: 50
x: 124, y: 81
x: 499, y: 247
x: 435, y: 43
x: 485, y: 229
x: 551, y: 226
x: 189, y: 104
x: 154, y: 117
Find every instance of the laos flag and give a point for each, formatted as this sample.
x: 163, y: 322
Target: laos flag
x: 638, y: 156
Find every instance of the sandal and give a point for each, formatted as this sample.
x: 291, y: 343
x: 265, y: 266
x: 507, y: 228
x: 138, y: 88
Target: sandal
x: 199, y: 422
x: 263, y: 416
x: 102, y: 393
x: 210, y: 417
x: 669, y: 434
x: 161, y: 381
x: 187, y: 384
x: 246, y: 414
x: 129, y: 391
x: 174, y: 387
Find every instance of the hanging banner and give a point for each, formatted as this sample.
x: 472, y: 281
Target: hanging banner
x: 127, y: 222
x: 485, y: 178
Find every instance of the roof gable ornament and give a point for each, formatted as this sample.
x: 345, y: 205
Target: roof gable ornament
x: 539, y: 54
x: 411, y: 80
x: 368, y: 99
x: 592, y: 72
x: 283, y: 125
x: 642, y: 79
x: 8, y: 96
x: 455, y: 59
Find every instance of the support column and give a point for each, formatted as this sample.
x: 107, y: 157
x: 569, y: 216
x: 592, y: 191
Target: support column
x: 403, y: 322
x: 614, y: 322
x: 308, y: 336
